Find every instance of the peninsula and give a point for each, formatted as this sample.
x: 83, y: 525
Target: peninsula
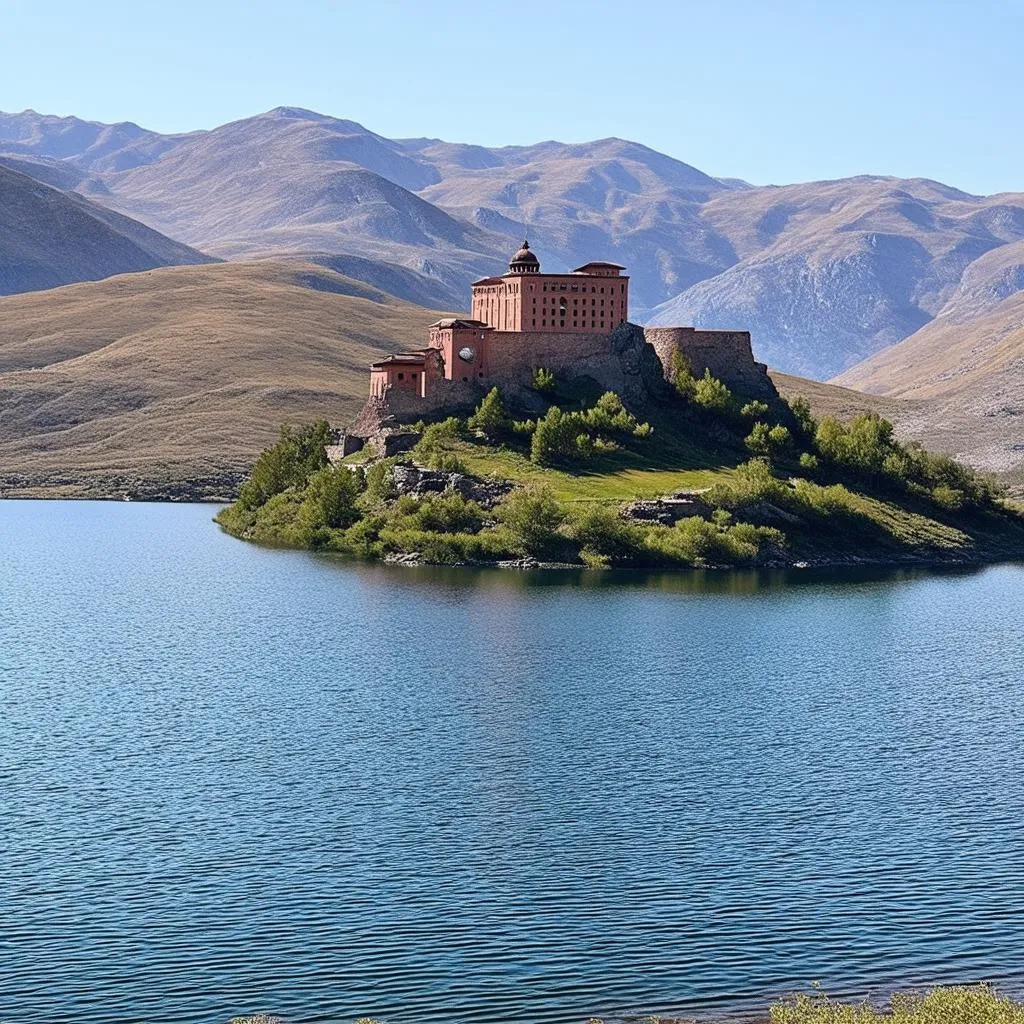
x: 546, y: 427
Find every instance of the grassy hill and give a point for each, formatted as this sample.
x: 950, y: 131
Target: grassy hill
x: 144, y: 381
x: 969, y: 377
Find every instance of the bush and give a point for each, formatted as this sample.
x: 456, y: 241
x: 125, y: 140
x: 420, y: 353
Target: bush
x: 604, y: 536
x: 801, y: 410
x: 543, y: 380
x: 958, y: 1005
x: 329, y: 499
x: 767, y: 441
x: 299, y: 452
x: 433, y: 448
x: 490, y: 418
x: 560, y: 436
x: 809, y: 462
x: 441, y: 513
x: 711, y: 394
x: 698, y: 542
x: 531, y: 517
x: 755, y: 410
x: 681, y: 375
x: 752, y: 483
x: 380, y: 482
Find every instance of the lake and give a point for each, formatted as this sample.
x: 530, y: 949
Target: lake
x: 238, y: 780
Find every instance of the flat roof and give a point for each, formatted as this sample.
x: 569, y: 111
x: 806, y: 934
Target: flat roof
x: 599, y: 263
x: 457, y: 321
x: 403, y: 359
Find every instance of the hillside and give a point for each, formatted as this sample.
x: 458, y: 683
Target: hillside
x: 143, y: 381
x: 824, y: 274
x: 971, y: 375
x: 49, y: 237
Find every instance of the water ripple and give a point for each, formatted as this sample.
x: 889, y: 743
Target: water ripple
x: 235, y: 780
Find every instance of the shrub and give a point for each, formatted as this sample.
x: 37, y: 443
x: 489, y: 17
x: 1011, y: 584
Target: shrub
x: 711, y: 394
x: 490, y: 418
x: 957, y: 1005
x: 809, y: 462
x: 299, y: 452
x: 696, y: 541
x: 329, y: 499
x: 835, y: 500
x: 604, y: 536
x: 440, y: 513
x: 380, y: 482
x: 767, y: 441
x: 433, y: 448
x: 862, y: 446
x: 754, y: 410
x: 560, y: 436
x: 531, y: 517
x: 752, y: 483
x: 801, y: 410
x: 681, y: 375
x: 543, y: 380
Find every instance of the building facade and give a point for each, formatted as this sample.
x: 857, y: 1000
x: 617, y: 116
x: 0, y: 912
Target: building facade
x: 593, y: 298
x: 516, y: 320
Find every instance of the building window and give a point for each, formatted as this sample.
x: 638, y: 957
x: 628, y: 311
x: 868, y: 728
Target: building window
x: 561, y: 323
x: 534, y: 321
x: 575, y: 324
x: 401, y: 376
x: 543, y: 322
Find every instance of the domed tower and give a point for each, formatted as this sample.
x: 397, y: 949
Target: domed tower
x: 524, y: 261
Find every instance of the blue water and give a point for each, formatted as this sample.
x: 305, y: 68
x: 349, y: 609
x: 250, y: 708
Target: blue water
x: 237, y: 780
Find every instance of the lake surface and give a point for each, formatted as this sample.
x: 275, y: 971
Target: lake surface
x: 237, y: 780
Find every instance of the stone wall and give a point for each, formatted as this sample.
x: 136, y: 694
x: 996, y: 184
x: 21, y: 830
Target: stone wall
x: 727, y: 354
x: 633, y: 361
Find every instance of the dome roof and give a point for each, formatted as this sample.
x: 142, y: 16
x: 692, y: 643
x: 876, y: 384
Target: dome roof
x: 524, y: 260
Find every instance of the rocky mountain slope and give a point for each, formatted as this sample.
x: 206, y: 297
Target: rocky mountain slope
x: 50, y: 237
x: 148, y: 382
x: 824, y: 274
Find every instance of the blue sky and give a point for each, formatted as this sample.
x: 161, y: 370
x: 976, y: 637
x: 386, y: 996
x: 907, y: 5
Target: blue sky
x: 772, y: 92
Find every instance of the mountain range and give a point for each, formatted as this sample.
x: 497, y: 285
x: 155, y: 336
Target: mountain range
x: 877, y: 281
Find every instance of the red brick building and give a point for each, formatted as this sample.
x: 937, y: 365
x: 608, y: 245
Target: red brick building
x: 592, y: 300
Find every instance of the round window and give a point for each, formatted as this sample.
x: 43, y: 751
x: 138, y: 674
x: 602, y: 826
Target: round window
x: 467, y: 354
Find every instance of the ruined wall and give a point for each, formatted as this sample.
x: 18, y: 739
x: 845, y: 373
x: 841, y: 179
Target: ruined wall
x: 727, y: 354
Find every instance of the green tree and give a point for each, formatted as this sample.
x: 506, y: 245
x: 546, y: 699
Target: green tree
x: 560, y: 436
x: 543, y: 380
x: 801, y: 410
x: 299, y: 452
x: 711, y: 394
x: 681, y: 375
x: 330, y: 497
x: 490, y: 418
x: 767, y: 441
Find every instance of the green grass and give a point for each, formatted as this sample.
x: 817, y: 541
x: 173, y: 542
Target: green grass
x: 978, y: 1004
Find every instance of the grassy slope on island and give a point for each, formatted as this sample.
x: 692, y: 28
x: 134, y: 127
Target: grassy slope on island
x: 815, y: 492
x: 149, y: 382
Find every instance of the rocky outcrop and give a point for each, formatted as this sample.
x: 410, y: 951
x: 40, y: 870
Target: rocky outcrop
x: 419, y: 481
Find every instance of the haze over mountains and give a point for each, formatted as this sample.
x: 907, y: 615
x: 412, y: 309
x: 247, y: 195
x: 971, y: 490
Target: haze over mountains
x: 824, y: 274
